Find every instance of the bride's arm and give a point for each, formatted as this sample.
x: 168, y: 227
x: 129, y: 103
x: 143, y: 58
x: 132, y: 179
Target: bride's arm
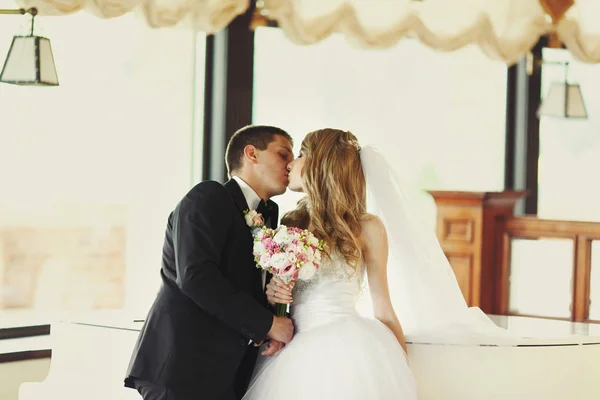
x: 375, y: 253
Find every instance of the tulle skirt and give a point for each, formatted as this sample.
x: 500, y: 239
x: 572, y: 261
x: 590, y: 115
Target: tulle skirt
x: 349, y: 358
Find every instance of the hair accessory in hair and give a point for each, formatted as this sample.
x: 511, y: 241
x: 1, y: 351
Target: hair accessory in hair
x: 354, y: 143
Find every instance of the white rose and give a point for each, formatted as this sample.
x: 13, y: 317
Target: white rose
x: 265, y: 261
x: 249, y: 216
x: 310, y: 255
x: 291, y: 257
x: 313, y: 241
x: 307, y: 271
x: 318, y: 255
x: 282, y: 237
x: 259, y: 248
x: 279, y: 261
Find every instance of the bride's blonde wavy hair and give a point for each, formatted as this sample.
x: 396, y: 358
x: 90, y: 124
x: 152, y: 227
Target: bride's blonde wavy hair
x: 335, y: 188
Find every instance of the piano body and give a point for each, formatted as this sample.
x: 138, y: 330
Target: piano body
x: 557, y: 360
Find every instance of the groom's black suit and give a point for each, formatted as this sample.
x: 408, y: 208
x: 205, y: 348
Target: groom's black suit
x: 211, y: 302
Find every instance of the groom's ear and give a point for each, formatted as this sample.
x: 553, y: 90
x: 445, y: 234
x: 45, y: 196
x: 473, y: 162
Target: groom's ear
x: 250, y: 154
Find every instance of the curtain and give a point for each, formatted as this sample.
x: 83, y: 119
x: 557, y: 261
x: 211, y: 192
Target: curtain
x: 503, y: 29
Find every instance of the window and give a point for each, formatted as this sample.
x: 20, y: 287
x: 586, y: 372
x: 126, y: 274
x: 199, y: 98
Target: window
x: 91, y: 169
x: 570, y: 148
x: 531, y: 260
x: 438, y: 117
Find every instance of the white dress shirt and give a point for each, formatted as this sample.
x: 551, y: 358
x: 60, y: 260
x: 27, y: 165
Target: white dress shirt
x: 250, y: 195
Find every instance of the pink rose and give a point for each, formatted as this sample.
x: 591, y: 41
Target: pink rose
x: 270, y: 245
x: 258, y: 220
x: 289, y: 272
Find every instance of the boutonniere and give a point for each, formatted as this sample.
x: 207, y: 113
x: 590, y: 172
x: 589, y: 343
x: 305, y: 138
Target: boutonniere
x: 254, y: 219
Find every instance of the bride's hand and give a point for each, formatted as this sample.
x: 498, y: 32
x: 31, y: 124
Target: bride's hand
x: 279, y: 292
x: 273, y: 347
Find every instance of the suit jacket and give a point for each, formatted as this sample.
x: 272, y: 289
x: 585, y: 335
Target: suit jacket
x: 211, y: 301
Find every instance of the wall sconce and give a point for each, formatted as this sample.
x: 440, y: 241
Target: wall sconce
x: 564, y: 99
x: 30, y: 61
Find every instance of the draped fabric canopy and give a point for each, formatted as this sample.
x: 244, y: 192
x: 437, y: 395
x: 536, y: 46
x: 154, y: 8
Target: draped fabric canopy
x: 503, y: 29
x: 209, y: 16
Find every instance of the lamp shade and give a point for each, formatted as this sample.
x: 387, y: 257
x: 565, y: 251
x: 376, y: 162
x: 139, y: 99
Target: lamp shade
x: 564, y: 100
x: 30, y: 62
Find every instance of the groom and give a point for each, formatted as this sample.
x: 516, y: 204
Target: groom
x: 200, y: 336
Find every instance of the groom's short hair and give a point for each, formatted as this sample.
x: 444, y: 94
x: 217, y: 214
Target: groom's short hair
x: 258, y: 136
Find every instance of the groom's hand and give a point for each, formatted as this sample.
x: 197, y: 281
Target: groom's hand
x: 273, y: 347
x: 282, y: 329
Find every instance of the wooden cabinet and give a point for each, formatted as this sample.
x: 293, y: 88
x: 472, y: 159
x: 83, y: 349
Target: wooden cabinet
x: 469, y: 229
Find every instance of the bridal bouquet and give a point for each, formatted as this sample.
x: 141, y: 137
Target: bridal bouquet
x: 288, y: 253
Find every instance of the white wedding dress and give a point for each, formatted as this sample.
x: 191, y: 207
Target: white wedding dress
x: 336, y: 354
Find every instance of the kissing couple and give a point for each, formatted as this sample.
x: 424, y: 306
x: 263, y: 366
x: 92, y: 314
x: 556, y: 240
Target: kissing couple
x: 214, y: 312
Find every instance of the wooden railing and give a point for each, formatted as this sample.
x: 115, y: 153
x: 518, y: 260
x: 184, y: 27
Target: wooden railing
x: 476, y: 232
x: 581, y: 233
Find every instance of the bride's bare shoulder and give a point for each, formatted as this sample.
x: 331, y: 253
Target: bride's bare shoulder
x: 371, y: 226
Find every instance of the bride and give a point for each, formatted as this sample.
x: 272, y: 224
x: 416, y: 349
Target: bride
x: 336, y: 353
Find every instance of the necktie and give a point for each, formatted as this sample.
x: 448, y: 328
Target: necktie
x: 263, y: 209
x: 267, y: 210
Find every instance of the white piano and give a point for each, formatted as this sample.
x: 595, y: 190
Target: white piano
x: 89, y: 358
x: 557, y: 361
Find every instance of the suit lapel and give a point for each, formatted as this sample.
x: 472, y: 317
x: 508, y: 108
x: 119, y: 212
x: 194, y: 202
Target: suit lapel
x: 236, y: 193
